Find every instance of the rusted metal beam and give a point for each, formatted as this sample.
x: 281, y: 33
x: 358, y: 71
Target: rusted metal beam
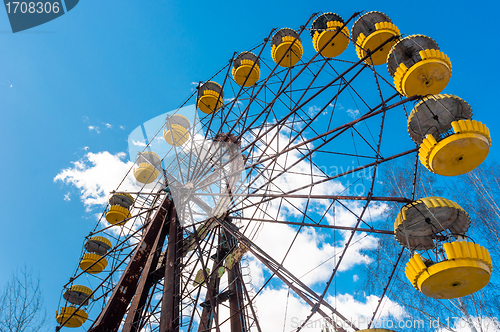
x: 335, y: 197
x: 236, y: 305
x: 344, y: 228
x: 212, y: 292
x: 170, y: 306
x: 145, y: 283
x: 112, y: 315
x: 236, y: 299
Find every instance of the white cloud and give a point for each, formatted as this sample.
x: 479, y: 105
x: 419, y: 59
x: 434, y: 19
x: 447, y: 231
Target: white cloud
x: 67, y: 197
x: 228, y: 100
x: 139, y: 143
x: 8, y: 83
x: 122, y: 127
x: 108, y: 125
x: 313, y: 110
x: 353, y: 113
x: 96, y: 175
x: 355, y: 278
x: 97, y: 130
x: 272, y: 306
x: 311, y: 258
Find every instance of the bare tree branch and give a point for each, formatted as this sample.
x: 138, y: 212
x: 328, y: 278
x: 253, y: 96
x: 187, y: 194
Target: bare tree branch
x: 21, y: 304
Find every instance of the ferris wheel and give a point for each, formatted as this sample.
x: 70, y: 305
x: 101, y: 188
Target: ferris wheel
x: 264, y: 156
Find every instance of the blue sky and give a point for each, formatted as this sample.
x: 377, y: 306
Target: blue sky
x: 115, y: 65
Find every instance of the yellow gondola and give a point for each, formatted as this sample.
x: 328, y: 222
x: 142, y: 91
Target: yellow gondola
x: 93, y: 263
x: 78, y: 295
x: 466, y: 270
x: 458, y: 153
x: 451, y: 143
x: 210, y: 97
x: 97, y: 247
x: 147, y: 163
x: 71, y: 317
x: 322, y: 31
x: 286, y: 47
x: 370, y: 31
x: 418, y: 66
x: 177, y: 132
x: 246, y: 69
x: 119, y: 210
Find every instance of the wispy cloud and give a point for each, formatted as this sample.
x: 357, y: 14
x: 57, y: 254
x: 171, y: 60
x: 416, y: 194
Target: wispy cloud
x: 353, y: 113
x: 228, y: 100
x: 95, y: 128
x: 8, y: 83
x: 313, y: 110
x: 138, y: 143
x: 67, y: 197
x: 194, y: 85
